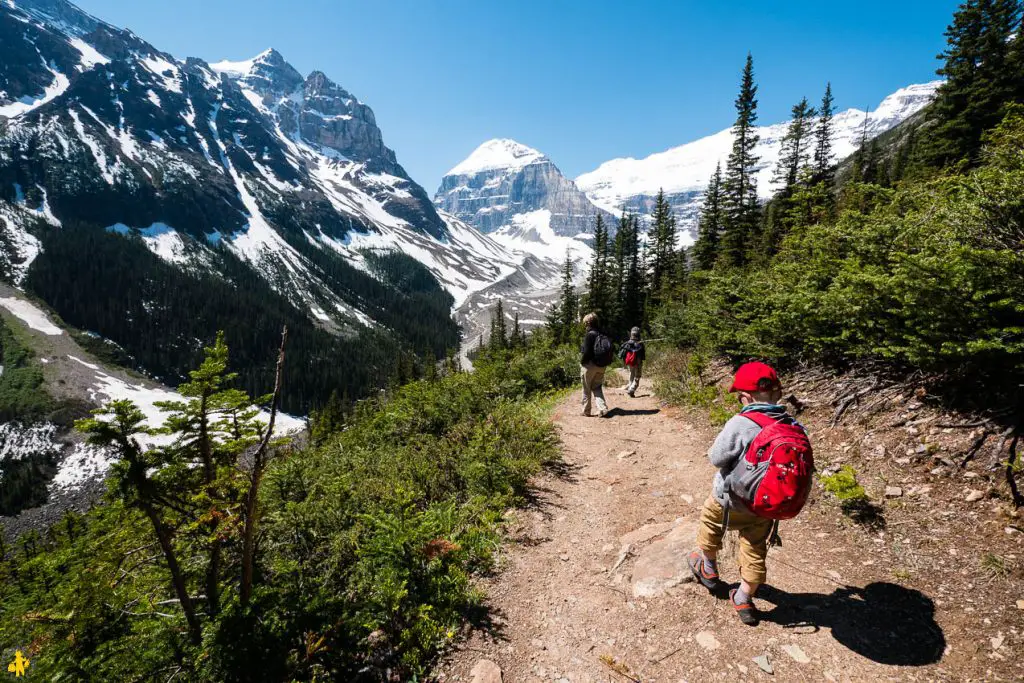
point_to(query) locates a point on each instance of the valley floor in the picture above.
(595, 587)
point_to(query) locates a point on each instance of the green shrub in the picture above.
(368, 544)
(844, 486)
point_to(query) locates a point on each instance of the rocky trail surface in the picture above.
(594, 586)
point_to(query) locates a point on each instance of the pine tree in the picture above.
(518, 338)
(563, 315)
(663, 247)
(599, 281)
(795, 147)
(979, 67)
(740, 206)
(823, 170)
(709, 227)
(499, 329)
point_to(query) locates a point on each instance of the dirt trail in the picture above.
(596, 574)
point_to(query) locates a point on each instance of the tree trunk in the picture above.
(195, 634)
(255, 477)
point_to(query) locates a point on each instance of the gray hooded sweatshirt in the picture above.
(731, 445)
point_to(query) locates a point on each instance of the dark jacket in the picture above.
(636, 347)
(587, 349)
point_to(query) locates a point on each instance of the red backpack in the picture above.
(630, 358)
(774, 476)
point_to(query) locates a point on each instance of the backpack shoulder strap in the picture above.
(760, 419)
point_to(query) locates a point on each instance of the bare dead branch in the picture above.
(259, 464)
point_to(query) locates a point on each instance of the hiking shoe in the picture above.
(631, 394)
(603, 413)
(707, 579)
(745, 610)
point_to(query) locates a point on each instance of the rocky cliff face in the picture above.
(503, 179)
(104, 130)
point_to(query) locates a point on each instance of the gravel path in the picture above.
(594, 586)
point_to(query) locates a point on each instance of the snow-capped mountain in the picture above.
(518, 196)
(683, 172)
(284, 172)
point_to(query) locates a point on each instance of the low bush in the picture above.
(367, 544)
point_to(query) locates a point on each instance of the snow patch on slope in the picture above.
(31, 315)
(531, 233)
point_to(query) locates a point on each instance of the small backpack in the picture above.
(774, 476)
(630, 358)
(604, 350)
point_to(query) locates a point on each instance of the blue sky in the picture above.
(583, 82)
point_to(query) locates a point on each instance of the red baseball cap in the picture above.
(750, 375)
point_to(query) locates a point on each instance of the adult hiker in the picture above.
(764, 463)
(596, 354)
(633, 354)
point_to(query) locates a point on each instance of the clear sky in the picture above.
(582, 81)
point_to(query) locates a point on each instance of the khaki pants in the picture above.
(754, 532)
(592, 377)
(634, 378)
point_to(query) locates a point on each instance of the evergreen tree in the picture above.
(740, 206)
(499, 329)
(979, 67)
(663, 247)
(823, 170)
(795, 147)
(709, 226)
(563, 315)
(517, 339)
(599, 282)
(633, 291)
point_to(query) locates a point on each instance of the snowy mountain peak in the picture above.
(245, 67)
(683, 171)
(499, 153)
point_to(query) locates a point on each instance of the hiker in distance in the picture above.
(764, 462)
(633, 354)
(596, 354)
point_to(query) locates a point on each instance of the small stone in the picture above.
(537, 644)
(797, 653)
(1009, 531)
(893, 491)
(485, 671)
(921, 490)
(835, 575)
(879, 451)
(743, 669)
(607, 548)
(765, 664)
(707, 640)
(913, 431)
(625, 454)
(971, 475)
(564, 558)
(997, 642)
(1020, 604)
(974, 495)
(688, 499)
(921, 449)
(902, 461)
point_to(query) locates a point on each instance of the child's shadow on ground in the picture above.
(885, 622)
(622, 411)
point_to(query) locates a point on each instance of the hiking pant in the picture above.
(634, 378)
(592, 377)
(754, 532)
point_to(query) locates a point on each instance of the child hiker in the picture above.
(764, 463)
(632, 354)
